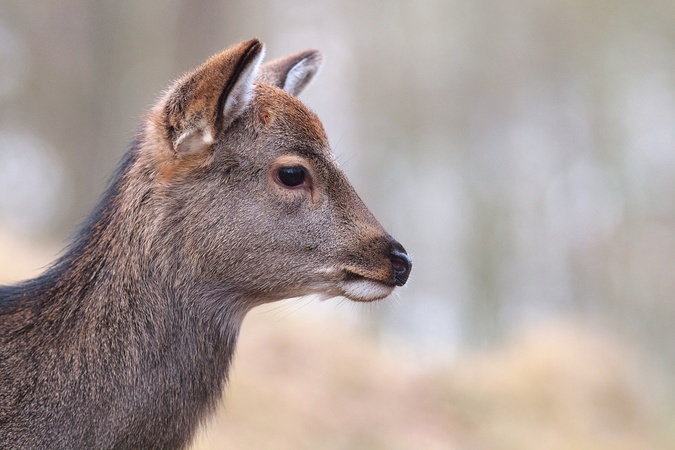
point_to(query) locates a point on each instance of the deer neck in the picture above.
(166, 343)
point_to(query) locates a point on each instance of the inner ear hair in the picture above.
(292, 73)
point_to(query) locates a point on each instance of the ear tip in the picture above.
(254, 46)
(313, 55)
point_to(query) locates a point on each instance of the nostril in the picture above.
(401, 265)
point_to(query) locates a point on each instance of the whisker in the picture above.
(303, 303)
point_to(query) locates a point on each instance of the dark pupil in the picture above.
(292, 176)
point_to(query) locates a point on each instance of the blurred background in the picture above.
(522, 151)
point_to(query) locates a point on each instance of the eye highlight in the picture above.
(292, 176)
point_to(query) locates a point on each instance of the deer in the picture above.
(228, 198)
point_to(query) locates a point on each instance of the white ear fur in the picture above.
(194, 141)
(302, 73)
(241, 94)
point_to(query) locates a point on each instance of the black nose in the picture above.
(400, 263)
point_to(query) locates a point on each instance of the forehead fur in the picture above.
(286, 117)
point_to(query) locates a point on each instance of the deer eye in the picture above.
(292, 176)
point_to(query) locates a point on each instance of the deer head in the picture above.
(248, 183)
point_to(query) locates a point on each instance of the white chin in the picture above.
(365, 290)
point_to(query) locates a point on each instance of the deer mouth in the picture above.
(361, 288)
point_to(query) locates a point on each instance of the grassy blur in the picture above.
(301, 384)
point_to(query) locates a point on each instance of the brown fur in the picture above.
(126, 341)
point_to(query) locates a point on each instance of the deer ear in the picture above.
(292, 73)
(204, 103)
